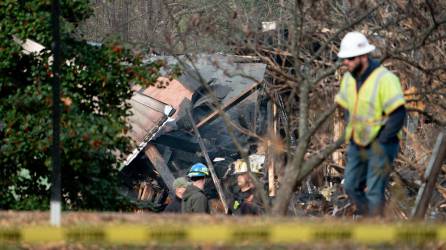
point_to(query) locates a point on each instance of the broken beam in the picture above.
(430, 177)
(210, 165)
(234, 101)
(271, 155)
(160, 165)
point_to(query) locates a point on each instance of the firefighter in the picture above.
(194, 198)
(246, 200)
(373, 101)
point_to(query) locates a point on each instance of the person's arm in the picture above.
(392, 100)
(341, 98)
(345, 113)
(393, 125)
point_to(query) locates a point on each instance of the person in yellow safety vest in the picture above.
(373, 101)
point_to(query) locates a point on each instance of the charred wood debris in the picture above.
(166, 145)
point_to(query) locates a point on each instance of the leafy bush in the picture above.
(95, 82)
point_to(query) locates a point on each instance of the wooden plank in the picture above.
(160, 165)
(271, 154)
(430, 177)
(209, 164)
(338, 130)
(234, 101)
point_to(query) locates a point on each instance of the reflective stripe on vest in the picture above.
(369, 119)
(364, 106)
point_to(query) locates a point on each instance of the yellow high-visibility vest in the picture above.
(369, 107)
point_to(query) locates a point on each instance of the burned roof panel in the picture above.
(172, 92)
(145, 116)
(151, 108)
(228, 79)
(224, 72)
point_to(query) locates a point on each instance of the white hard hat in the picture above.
(354, 44)
(255, 163)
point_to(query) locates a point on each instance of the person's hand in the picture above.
(250, 199)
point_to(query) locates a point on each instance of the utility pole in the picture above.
(55, 203)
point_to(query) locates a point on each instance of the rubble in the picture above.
(166, 145)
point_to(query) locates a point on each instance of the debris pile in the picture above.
(166, 146)
(224, 92)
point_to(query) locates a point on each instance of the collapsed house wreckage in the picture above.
(167, 145)
(163, 132)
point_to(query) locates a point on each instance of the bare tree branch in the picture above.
(324, 74)
(431, 12)
(317, 159)
(428, 115)
(422, 39)
(343, 29)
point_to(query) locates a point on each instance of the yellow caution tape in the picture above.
(285, 233)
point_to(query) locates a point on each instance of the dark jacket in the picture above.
(174, 206)
(240, 205)
(194, 201)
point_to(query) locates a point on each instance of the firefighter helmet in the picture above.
(198, 170)
(255, 163)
